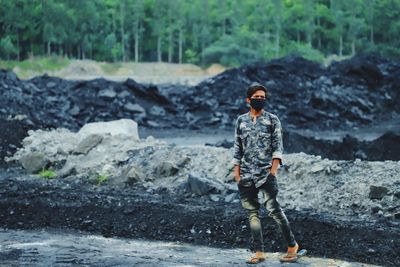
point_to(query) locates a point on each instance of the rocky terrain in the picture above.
(145, 161)
(355, 98)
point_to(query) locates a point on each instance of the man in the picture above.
(257, 154)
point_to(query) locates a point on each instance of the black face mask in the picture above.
(257, 103)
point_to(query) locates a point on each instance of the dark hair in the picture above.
(254, 87)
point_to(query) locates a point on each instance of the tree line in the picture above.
(231, 32)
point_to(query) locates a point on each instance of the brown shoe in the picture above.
(291, 255)
(257, 258)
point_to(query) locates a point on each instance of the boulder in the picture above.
(135, 108)
(201, 185)
(166, 168)
(34, 162)
(124, 126)
(87, 144)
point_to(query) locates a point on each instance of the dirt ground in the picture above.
(27, 203)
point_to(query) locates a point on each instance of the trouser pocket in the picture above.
(271, 185)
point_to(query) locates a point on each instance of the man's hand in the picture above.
(237, 173)
(274, 167)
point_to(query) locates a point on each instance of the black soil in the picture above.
(35, 203)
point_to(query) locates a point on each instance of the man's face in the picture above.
(258, 94)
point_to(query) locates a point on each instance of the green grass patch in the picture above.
(36, 64)
(47, 174)
(101, 179)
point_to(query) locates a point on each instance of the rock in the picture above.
(157, 111)
(200, 185)
(132, 175)
(166, 168)
(317, 168)
(214, 197)
(229, 198)
(87, 144)
(34, 162)
(107, 93)
(67, 170)
(377, 192)
(397, 194)
(135, 108)
(124, 126)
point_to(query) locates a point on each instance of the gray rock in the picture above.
(132, 175)
(107, 93)
(214, 197)
(153, 124)
(200, 185)
(166, 168)
(124, 126)
(229, 198)
(51, 84)
(136, 108)
(34, 162)
(67, 170)
(377, 192)
(397, 194)
(157, 111)
(88, 144)
(74, 111)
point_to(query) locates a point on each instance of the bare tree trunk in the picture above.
(159, 54)
(341, 45)
(137, 46)
(18, 50)
(83, 52)
(277, 42)
(122, 33)
(180, 45)
(319, 33)
(48, 48)
(372, 34)
(353, 47)
(170, 47)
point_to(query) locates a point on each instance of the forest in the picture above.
(230, 32)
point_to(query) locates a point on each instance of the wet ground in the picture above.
(52, 247)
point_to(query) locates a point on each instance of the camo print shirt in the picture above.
(256, 144)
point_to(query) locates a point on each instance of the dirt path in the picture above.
(57, 248)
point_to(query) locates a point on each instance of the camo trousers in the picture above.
(249, 200)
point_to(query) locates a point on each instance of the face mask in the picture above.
(257, 103)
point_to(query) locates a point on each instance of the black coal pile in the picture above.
(358, 92)
(53, 102)
(354, 92)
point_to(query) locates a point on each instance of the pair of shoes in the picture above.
(257, 258)
(291, 255)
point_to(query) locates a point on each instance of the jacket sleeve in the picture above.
(237, 146)
(277, 143)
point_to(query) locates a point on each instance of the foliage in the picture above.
(101, 179)
(47, 174)
(231, 32)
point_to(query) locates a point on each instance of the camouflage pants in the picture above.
(249, 200)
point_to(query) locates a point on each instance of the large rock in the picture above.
(34, 162)
(166, 168)
(124, 126)
(88, 143)
(201, 185)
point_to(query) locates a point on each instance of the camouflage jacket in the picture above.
(256, 145)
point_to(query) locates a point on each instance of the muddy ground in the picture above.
(27, 203)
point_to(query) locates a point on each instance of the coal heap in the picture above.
(304, 94)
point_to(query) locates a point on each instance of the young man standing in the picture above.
(258, 152)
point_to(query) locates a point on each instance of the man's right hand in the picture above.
(237, 173)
